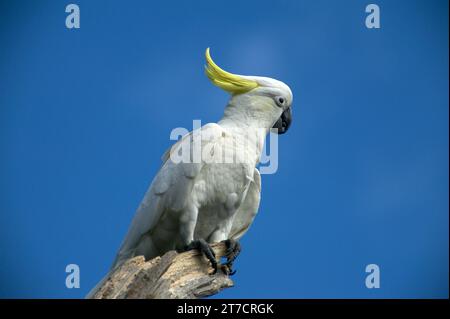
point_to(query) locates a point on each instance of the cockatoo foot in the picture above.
(233, 250)
(206, 250)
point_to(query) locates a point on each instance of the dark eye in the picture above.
(280, 100)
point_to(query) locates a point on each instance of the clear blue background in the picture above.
(363, 175)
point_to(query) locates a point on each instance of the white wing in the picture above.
(248, 209)
(169, 192)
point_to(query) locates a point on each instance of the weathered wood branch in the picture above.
(173, 276)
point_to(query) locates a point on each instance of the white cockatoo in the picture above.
(211, 192)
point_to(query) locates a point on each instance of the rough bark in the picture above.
(174, 276)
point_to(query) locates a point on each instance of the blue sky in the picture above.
(363, 172)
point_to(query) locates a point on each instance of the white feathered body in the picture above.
(214, 199)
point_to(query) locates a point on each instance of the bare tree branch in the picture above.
(174, 276)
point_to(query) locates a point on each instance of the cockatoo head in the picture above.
(256, 100)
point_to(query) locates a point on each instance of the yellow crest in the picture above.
(232, 83)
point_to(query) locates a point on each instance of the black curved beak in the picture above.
(283, 123)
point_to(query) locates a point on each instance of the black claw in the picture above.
(233, 250)
(206, 250)
(226, 269)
